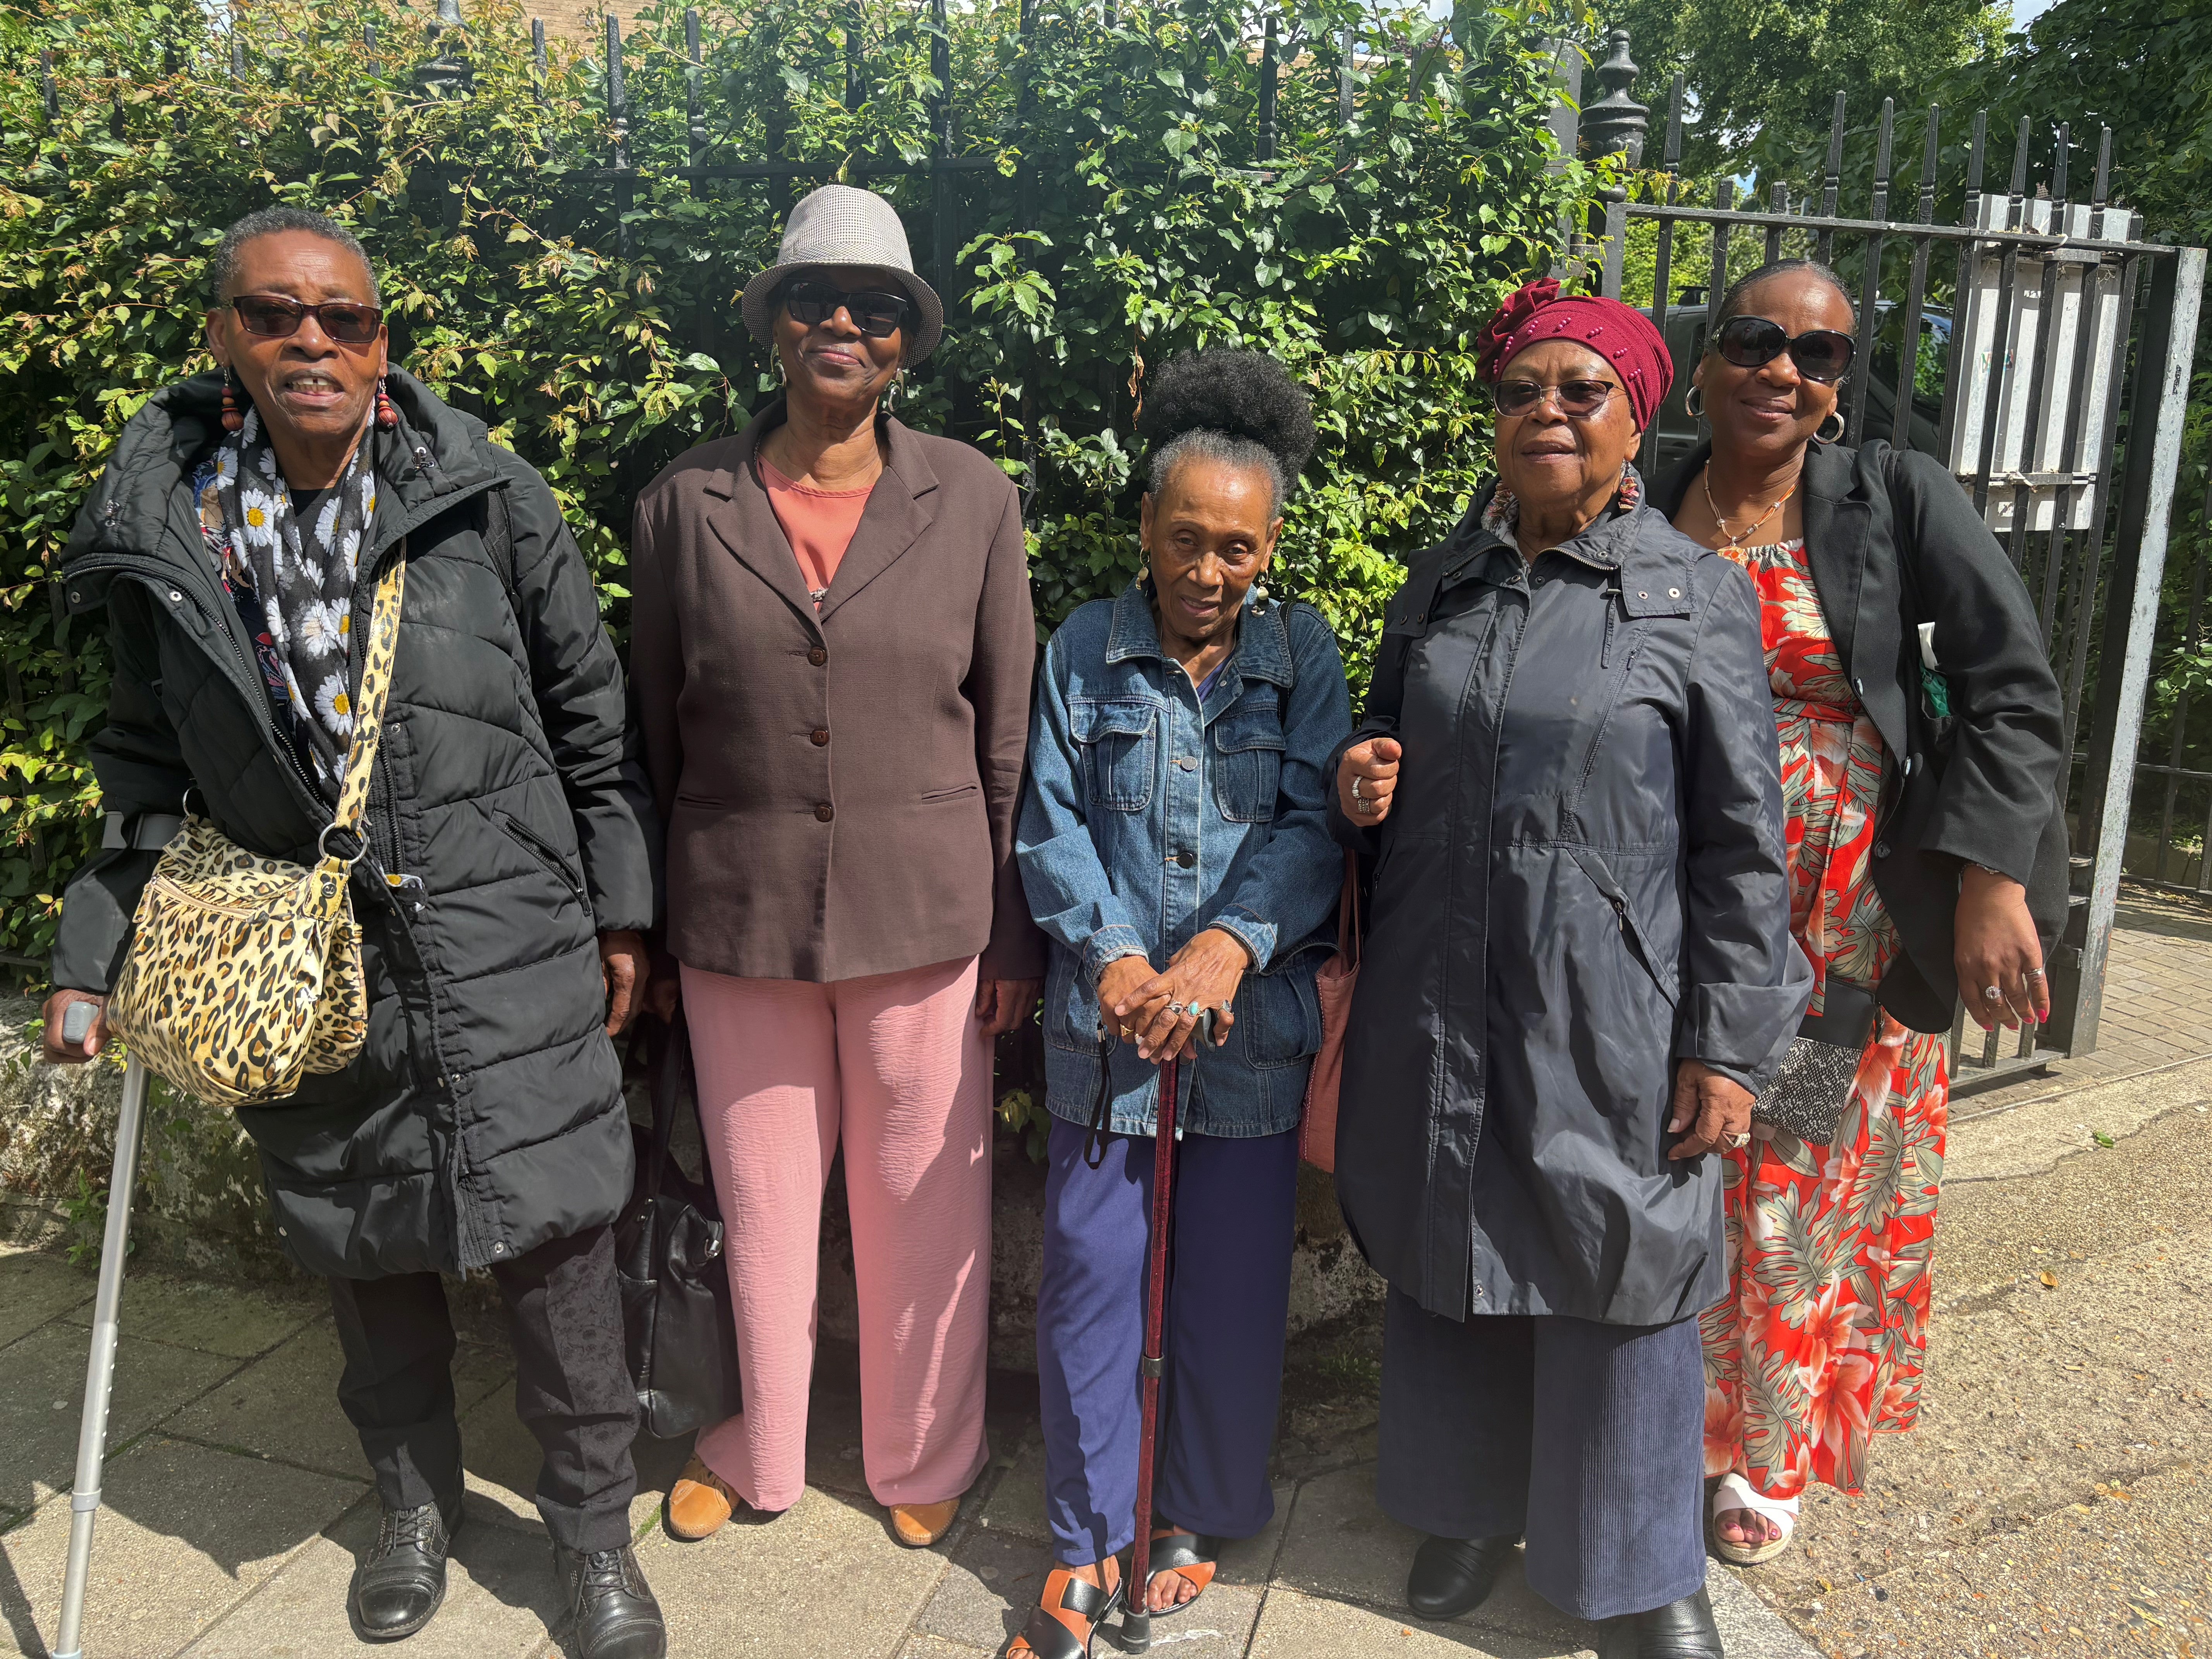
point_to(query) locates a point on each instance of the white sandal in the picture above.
(1735, 1492)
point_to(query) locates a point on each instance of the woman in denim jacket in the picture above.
(1175, 849)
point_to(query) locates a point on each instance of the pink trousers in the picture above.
(897, 1068)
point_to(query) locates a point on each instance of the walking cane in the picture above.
(1136, 1610)
(99, 1370)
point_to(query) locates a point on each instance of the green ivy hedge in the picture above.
(1118, 211)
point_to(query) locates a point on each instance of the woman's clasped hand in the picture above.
(1160, 1013)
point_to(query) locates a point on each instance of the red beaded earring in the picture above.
(387, 417)
(232, 419)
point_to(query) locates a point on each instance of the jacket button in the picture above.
(1185, 859)
(1674, 592)
(824, 812)
(1186, 763)
(1881, 849)
(819, 736)
(817, 656)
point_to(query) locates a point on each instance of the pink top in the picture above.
(818, 523)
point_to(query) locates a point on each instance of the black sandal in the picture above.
(1045, 1637)
(1193, 1555)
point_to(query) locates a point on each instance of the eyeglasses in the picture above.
(1820, 353)
(876, 315)
(276, 318)
(1577, 400)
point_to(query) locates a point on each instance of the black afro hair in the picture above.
(1239, 394)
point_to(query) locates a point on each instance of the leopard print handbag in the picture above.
(244, 972)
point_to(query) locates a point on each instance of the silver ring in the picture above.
(1175, 1007)
(1990, 994)
(1743, 1139)
(1356, 795)
(1364, 806)
(2033, 973)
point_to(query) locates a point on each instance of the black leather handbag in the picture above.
(678, 1328)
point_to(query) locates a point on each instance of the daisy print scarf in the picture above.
(301, 572)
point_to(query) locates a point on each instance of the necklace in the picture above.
(1736, 541)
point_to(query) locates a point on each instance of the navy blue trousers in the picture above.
(1587, 1440)
(1228, 1301)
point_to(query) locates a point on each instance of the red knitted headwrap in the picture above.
(1620, 334)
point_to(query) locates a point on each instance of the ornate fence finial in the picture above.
(448, 74)
(1615, 124)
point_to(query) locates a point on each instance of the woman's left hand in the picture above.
(1714, 1111)
(1003, 1004)
(1162, 1013)
(1994, 943)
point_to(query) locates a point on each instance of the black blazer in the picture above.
(1893, 541)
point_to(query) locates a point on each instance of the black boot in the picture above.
(613, 1607)
(1680, 1630)
(402, 1580)
(1452, 1576)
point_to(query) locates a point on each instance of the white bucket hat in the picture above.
(838, 225)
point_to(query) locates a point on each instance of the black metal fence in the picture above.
(2066, 351)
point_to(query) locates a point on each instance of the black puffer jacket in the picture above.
(485, 1115)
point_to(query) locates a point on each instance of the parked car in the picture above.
(1680, 432)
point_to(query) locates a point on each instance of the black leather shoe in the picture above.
(1452, 1576)
(610, 1607)
(1680, 1630)
(402, 1580)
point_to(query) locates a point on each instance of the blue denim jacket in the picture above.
(1149, 817)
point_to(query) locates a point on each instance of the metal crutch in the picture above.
(100, 1370)
(1136, 1613)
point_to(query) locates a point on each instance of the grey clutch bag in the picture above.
(1809, 1094)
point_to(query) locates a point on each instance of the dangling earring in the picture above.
(387, 417)
(1694, 401)
(232, 419)
(891, 392)
(1831, 430)
(776, 364)
(1631, 489)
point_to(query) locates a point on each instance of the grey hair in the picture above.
(223, 266)
(1204, 443)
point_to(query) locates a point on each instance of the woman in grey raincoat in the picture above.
(1578, 973)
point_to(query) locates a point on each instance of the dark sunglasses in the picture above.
(1576, 399)
(876, 315)
(276, 318)
(1820, 353)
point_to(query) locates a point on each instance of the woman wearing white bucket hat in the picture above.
(832, 646)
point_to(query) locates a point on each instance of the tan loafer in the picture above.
(699, 1504)
(920, 1525)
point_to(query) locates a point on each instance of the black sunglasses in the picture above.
(875, 313)
(1820, 353)
(1576, 399)
(276, 318)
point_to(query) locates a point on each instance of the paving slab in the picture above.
(501, 1601)
(1293, 1625)
(44, 1393)
(285, 1405)
(187, 1532)
(35, 1287)
(823, 1578)
(239, 1322)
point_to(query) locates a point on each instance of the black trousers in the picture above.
(1586, 1439)
(572, 1385)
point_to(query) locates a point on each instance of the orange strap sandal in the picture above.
(1067, 1616)
(1191, 1555)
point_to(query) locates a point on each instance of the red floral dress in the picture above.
(1821, 1342)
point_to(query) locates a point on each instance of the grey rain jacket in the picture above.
(485, 1115)
(1582, 881)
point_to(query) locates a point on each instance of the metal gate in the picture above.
(2066, 355)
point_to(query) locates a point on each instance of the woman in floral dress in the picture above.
(1926, 854)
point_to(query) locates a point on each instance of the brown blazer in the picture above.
(839, 791)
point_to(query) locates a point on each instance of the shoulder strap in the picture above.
(382, 645)
(499, 536)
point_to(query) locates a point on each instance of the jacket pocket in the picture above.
(1248, 769)
(1279, 1014)
(1071, 1013)
(959, 792)
(543, 850)
(1633, 934)
(1119, 744)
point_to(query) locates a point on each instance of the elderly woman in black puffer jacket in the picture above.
(507, 876)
